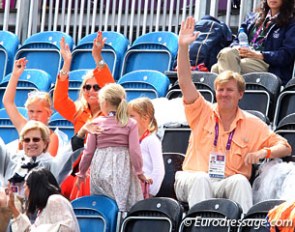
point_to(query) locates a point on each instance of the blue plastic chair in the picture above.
(96, 213)
(9, 44)
(155, 51)
(42, 51)
(8, 132)
(30, 80)
(145, 83)
(113, 52)
(58, 121)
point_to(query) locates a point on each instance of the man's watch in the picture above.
(101, 64)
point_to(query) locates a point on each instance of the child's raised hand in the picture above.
(19, 66)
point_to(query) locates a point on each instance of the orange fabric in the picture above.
(283, 216)
(250, 135)
(66, 106)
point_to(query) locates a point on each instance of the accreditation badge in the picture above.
(216, 166)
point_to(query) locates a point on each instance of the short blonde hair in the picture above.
(115, 95)
(39, 96)
(36, 125)
(144, 107)
(226, 76)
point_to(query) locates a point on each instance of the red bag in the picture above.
(145, 190)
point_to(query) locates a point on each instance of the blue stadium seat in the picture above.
(8, 132)
(31, 79)
(144, 83)
(96, 213)
(154, 50)
(57, 121)
(113, 52)
(9, 44)
(42, 50)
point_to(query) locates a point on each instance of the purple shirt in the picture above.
(113, 135)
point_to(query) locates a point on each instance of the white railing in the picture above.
(130, 17)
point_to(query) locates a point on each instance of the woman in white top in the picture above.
(142, 110)
(54, 212)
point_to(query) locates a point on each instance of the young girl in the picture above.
(142, 110)
(114, 152)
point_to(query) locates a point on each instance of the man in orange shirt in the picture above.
(225, 140)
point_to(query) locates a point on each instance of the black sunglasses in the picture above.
(34, 139)
(88, 87)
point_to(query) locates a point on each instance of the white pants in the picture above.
(193, 187)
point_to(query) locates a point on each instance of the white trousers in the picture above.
(193, 187)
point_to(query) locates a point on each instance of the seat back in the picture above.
(286, 129)
(255, 219)
(113, 52)
(96, 213)
(173, 163)
(212, 215)
(159, 214)
(44, 47)
(30, 80)
(57, 121)
(8, 132)
(264, 87)
(154, 50)
(285, 105)
(175, 139)
(259, 115)
(144, 83)
(9, 44)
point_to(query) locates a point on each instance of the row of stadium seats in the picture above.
(154, 50)
(100, 213)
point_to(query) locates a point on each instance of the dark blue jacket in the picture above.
(279, 47)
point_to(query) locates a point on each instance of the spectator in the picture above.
(54, 212)
(38, 105)
(114, 152)
(271, 33)
(86, 107)
(235, 138)
(142, 110)
(34, 137)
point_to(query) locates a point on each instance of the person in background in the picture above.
(86, 107)
(38, 105)
(142, 110)
(114, 152)
(54, 212)
(222, 132)
(271, 35)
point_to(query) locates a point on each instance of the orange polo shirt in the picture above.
(66, 106)
(251, 134)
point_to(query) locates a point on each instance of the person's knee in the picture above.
(239, 181)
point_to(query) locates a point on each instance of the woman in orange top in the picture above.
(86, 107)
(38, 105)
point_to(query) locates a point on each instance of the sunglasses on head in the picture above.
(34, 139)
(88, 87)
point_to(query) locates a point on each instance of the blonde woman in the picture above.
(38, 105)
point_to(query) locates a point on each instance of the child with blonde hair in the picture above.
(114, 151)
(142, 110)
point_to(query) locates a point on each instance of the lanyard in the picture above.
(230, 137)
(145, 134)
